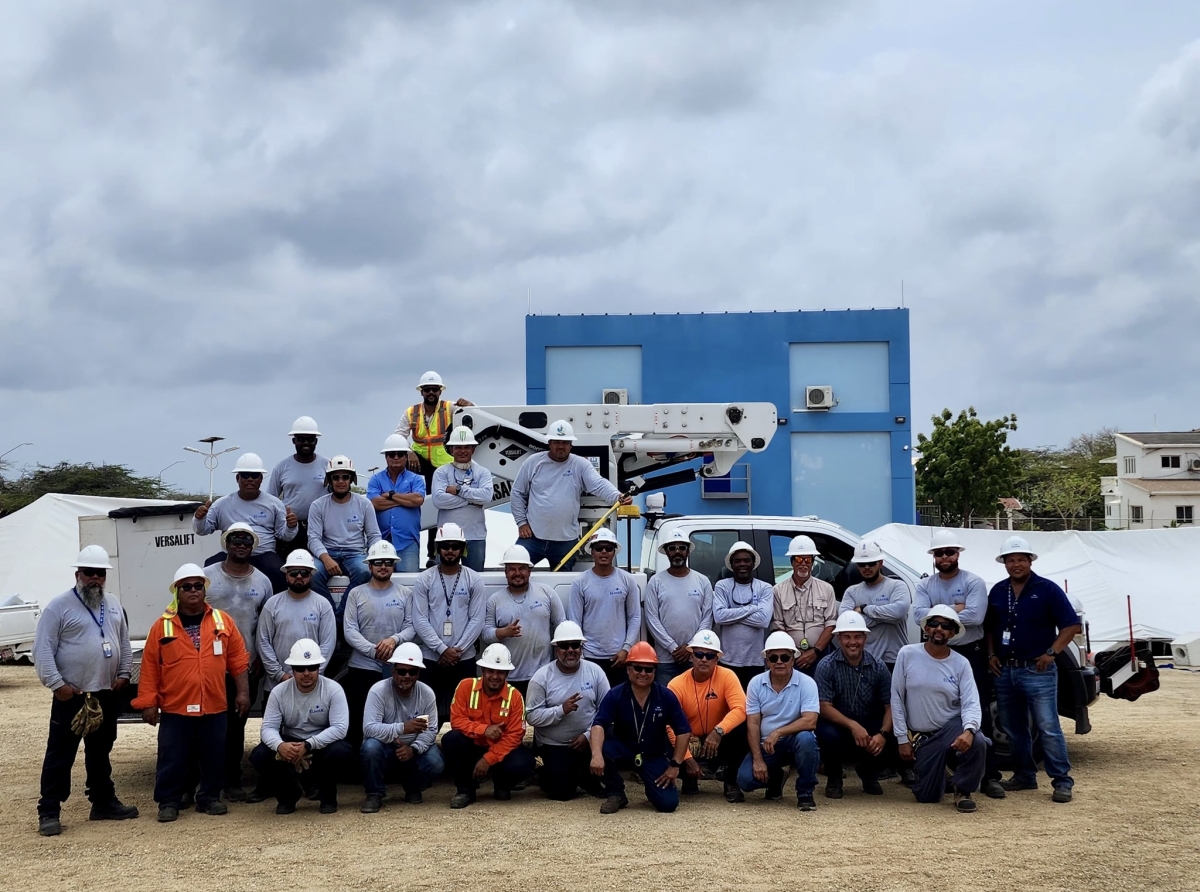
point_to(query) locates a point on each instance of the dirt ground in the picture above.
(1133, 825)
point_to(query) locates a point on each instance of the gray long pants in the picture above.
(934, 753)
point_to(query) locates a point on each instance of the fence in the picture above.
(931, 516)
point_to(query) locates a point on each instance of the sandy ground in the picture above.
(1133, 825)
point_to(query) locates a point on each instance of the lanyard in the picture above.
(99, 622)
(707, 696)
(645, 714)
(733, 594)
(1012, 607)
(449, 594)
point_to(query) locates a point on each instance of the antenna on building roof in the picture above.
(902, 294)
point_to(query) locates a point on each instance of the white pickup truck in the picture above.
(18, 623)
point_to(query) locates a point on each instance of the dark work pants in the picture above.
(976, 654)
(235, 727)
(443, 680)
(357, 684)
(730, 753)
(618, 757)
(186, 742)
(746, 673)
(461, 754)
(565, 770)
(62, 745)
(426, 471)
(934, 754)
(327, 764)
(838, 749)
(300, 540)
(269, 562)
(615, 674)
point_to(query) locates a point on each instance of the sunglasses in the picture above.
(92, 571)
(190, 587)
(450, 546)
(405, 672)
(431, 389)
(339, 477)
(304, 439)
(238, 540)
(945, 552)
(299, 574)
(677, 549)
(246, 476)
(604, 547)
(296, 669)
(704, 655)
(395, 454)
(868, 563)
(384, 562)
(942, 624)
(569, 645)
(779, 658)
(644, 670)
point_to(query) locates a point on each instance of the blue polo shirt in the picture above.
(642, 730)
(400, 525)
(779, 708)
(1034, 619)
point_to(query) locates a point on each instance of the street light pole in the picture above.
(14, 449)
(210, 458)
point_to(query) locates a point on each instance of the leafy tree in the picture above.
(966, 464)
(86, 479)
(1065, 482)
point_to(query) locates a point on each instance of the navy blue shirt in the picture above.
(1033, 620)
(621, 718)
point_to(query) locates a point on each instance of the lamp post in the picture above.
(210, 458)
(14, 449)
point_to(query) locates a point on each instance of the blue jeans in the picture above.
(417, 774)
(408, 558)
(668, 670)
(799, 749)
(476, 552)
(618, 757)
(1023, 693)
(550, 549)
(353, 564)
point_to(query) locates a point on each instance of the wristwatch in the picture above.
(308, 746)
(719, 731)
(672, 763)
(1050, 652)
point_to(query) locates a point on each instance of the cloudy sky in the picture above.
(218, 216)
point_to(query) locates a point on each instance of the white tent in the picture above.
(1099, 569)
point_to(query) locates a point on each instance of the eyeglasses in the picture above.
(945, 552)
(704, 655)
(604, 547)
(299, 439)
(779, 658)
(248, 476)
(299, 574)
(239, 540)
(643, 670)
(296, 669)
(404, 671)
(569, 645)
(384, 562)
(942, 624)
(93, 571)
(395, 454)
(190, 587)
(339, 477)
(676, 549)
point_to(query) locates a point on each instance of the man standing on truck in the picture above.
(606, 602)
(342, 528)
(81, 652)
(742, 612)
(678, 605)
(1030, 622)
(398, 494)
(523, 617)
(545, 497)
(805, 607)
(460, 490)
(299, 479)
(883, 602)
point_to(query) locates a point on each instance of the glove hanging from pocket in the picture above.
(90, 716)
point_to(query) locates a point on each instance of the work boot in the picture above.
(188, 799)
(328, 808)
(872, 787)
(371, 804)
(1012, 785)
(49, 825)
(113, 811)
(834, 790)
(774, 791)
(908, 777)
(235, 794)
(805, 802)
(733, 793)
(501, 795)
(413, 797)
(1062, 794)
(168, 814)
(258, 794)
(462, 800)
(993, 790)
(613, 804)
(964, 803)
(285, 808)
(216, 807)
(691, 786)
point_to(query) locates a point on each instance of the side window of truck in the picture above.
(709, 548)
(830, 566)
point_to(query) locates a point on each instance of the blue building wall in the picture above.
(850, 464)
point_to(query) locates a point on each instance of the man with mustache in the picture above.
(678, 604)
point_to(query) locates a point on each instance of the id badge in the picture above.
(107, 648)
(447, 629)
(1006, 637)
(218, 648)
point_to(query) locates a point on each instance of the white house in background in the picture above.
(1157, 483)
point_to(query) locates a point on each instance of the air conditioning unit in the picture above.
(818, 396)
(1193, 464)
(614, 396)
(1185, 650)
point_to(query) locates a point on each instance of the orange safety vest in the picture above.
(194, 680)
(430, 442)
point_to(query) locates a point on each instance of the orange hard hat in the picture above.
(642, 652)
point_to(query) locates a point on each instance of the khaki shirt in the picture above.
(804, 611)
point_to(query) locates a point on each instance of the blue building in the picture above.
(850, 463)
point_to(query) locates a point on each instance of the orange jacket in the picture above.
(179, 679)
(719, 702)
(472, 710)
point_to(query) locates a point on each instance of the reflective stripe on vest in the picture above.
(168, 623)
(477, 686)
(429, 443)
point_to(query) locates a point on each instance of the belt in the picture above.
(1019, 664)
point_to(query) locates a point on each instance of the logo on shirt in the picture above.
(251, 593)
(309, 618)
(317, 710)
(695, 593)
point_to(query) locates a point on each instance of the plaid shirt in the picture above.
(859, 692)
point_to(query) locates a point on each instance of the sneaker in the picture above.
(49, 825)
(285, 808)
(167, 814)
(371, 804)
(462, 800)
(908, 777)
(834, 791)
(1012, 785)
(413, 797)
(113, 811)
(690, 787)
(501, 795)
(993, 790)
(872, 787)
(216, 807)
(328, 808)
(964, 803)
(774, 792)
(806, 802)
(235, 794)
(733, 793)
(1062, 794)
(258, 794)
(613, 804)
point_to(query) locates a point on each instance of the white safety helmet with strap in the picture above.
(395, 443)
(802, 545)
(604, 534)
(239, 526)
(741, 546)
(450, 532)
(944, 611)
(561, 430)
(496, 656)
(517, 554)
(407, 654)
(1015, 545)
(431, 379)
(188, 571)
(304, 425)
(305, 652)
(300, 558)
(945, 539)
(706, 639)
(677, 537)
(567, 630)
(383, 550)
(94, 557)
(779, 641)
(341, 463)
(461, 436)
(850, 621)
(249, 463)
(867, 553)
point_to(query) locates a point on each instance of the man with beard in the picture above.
(742, 612)
(400, 723)
(296, 613)
(299, 480)
(935, 712)
(460, 490)
(677, 604)
(449, 603)
(397, 495)
(606, 602)
(882, 601)
(805, 607)
(341, 528)
(522, 616)
(563, 698)
(81, 652)
(271, 520)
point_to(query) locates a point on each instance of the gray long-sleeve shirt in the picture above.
(342, 526)
(741, 613)
(885, 608)
(298, 484)
(539, 610)
(320, 717)
(550, 688)
(266, 515)
(963, 588)
(676, 608)
(927, 692)
(466, 508)
(373, 614)
(68, 646)
(386, 712)
(242, 597)
(546, 495)
(438, 599)
(284, 621)
(609, 609)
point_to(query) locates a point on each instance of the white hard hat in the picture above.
(249, 463)
(305, 652)
(944, 611)
(779, 641)
(341, 463)
(460, 436)
(801, 545)
(94, 557)
(517, 554)
(395, 443)
(604, 534)
(850, 621)
(945, 539)
(1015, 545)
(299, 558)
(408, 654)
(677, 537)
(450, 532)
(240, 526)
(383, 550)
(305, 424)
(430, 379)
(567, 630)
(561, 430)
(741, 546)
(188, 571)
(705, 639)
(867, 553)
(496, 656)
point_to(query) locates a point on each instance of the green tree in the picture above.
(86, 479)
(966, 464)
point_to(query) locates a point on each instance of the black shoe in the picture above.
(371, 804)
(312, 794)
(774, 792)
(235, 794)
(413, 797)
(1062, 794)
(49, 825)
(872, 787)
(188, 799)
(964, 803)
(1012, 785)
(501, 795)
(690, 787)
(733, 793)
(328, 808)
(285, 808)
(908, 777)
(806, 803)
(167, 814)
(833, 791)
(113, 811)
(258, 794)
(216, 807)
(462, 800)
(613, 804)
(993, 790)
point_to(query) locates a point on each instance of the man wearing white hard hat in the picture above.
(81, 652)
(460, 490)
(189, 651)
(304, 732)
(400, 722)
(606, 602)
(856, 709)
(270, 519)
(742, 607)
(967, 594)
(936, 713)
(563, 698)
(677, 604)
(398, 494)
(546, 493)
(1030, 622)
(341, 530)
(299, 479)
(882, 601)
(295, 613)
(522, 615)
(805, 607)
(487, 726)
(715, 705)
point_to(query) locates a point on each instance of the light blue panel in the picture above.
(579, 374)
(843, 477)
(858, 373)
